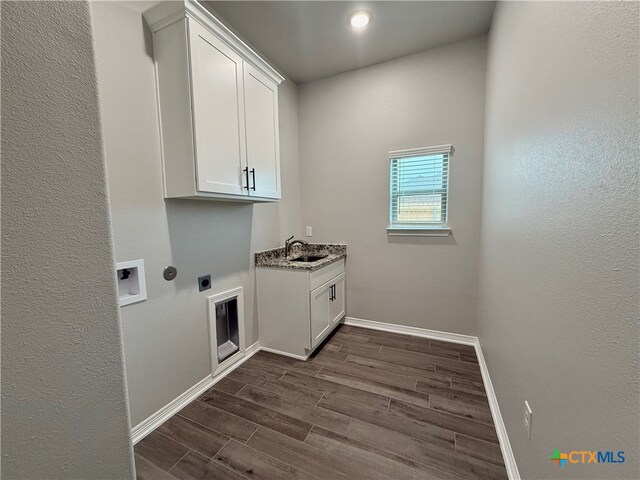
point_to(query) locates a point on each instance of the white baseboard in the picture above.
(286, 354)
(148, 425)
(501, 431)
(415, 331)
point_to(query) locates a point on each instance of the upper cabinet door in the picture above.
(217, 106)
(262, 133)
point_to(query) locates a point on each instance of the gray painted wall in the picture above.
(64, 409)
(166, 337)
(558, 317)
(348, 124)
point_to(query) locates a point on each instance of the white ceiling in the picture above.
(312, 39)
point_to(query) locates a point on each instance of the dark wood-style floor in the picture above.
(368, 405)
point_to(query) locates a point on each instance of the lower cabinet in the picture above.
(297, 309)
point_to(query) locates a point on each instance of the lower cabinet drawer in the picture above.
(323, 275)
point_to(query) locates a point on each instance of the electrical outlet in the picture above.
(528, 414)
(309, 231)
(204, 282)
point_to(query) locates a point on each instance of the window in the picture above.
(419, 188)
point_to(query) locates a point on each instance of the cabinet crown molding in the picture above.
(166, 13)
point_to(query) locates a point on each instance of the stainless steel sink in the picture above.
(308, 258)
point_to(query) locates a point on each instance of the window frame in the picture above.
(416, 228)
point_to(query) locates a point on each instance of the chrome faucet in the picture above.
(288, 243)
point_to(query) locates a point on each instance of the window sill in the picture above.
(443, 231)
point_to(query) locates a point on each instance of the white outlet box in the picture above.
(308, 231)
(528, 414)
(132, 287)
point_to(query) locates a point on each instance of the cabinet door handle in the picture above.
(253, 174)
(333, 292)
(246, 174)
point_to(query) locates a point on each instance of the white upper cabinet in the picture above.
(218, 104)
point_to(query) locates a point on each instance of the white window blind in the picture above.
(419, 187)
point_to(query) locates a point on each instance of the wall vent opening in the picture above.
(226, 328)
(227, 333)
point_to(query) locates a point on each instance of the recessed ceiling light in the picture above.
(359, 19)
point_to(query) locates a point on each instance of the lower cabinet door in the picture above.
(320, 319)
(336, 303)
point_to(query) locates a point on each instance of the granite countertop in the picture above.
(275, 258)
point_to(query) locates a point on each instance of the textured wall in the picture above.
(348, 124)
(559, 270)
(166, 337)
(64, 410)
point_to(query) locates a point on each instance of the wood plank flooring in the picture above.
(367, 405)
